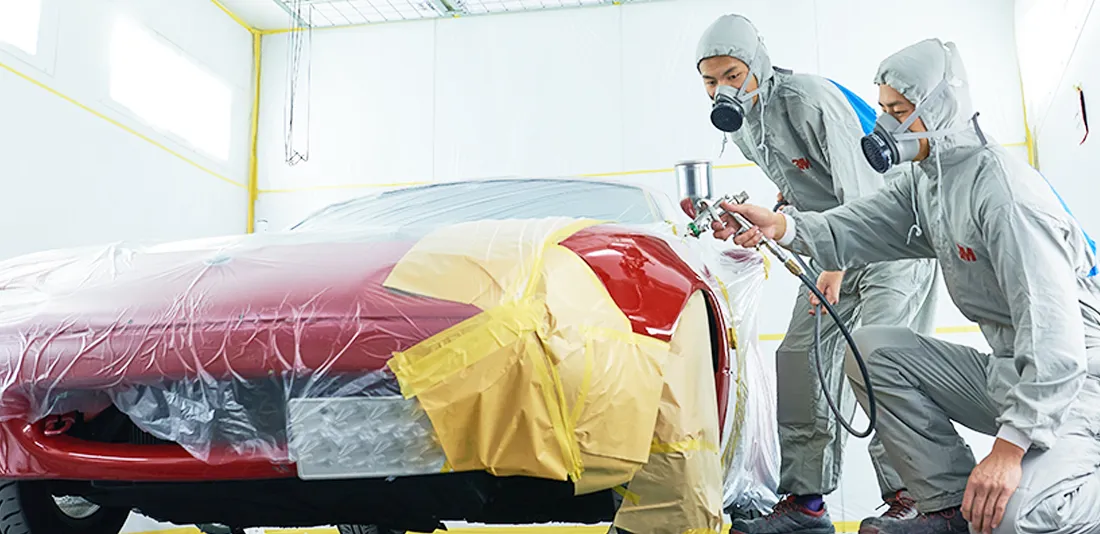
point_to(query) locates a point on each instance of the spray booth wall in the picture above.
(72, 174)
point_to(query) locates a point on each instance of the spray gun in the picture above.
(708, 211)
(695, 185)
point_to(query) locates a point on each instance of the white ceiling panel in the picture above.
(261, 14)
(277, 14)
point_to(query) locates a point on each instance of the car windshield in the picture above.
(452, 203)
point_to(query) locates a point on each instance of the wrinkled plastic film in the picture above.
(391, 335)
(680, 487)
(750, 435)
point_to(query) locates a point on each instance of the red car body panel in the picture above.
(306, 306)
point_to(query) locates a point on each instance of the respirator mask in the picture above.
(728, 113)
(730, 103)
(891, 143)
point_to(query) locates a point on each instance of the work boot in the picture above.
(788, 517)
(949, 521)
(902, 506)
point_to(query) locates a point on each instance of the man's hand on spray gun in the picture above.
(750, 226)
(765, 226)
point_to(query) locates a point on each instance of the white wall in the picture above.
(71, 177)
(597, 90)
(1047, 33)
(1063, 159)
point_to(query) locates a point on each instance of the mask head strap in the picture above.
(921, 106)
(741, 95)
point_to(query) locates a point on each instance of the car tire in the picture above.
(30, 508)
(366, 529)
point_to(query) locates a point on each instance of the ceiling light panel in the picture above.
(322, 13)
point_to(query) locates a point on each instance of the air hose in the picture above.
(708, 211)
(871, 408)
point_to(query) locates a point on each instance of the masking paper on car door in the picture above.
(680, 488)
(549, 377)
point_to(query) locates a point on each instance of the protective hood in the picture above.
(735, 36)
(916, 70)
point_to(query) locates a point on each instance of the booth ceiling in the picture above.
(278, 14)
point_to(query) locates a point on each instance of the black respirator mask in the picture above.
(728, 114)
(728, 111)
(890, 144)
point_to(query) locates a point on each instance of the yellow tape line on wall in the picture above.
(943, 330)
(841, 526)
(124, 127)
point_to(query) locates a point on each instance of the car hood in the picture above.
(259, 277)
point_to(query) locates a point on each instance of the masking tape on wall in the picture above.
(119, 124)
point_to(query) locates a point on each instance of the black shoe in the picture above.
(902, 506)
(949, 521)
(788, 517)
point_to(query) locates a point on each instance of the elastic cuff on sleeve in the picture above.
(1010, 434)
(788, 236)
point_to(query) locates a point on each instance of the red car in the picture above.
(265, 380)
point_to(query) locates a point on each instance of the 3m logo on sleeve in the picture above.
(967, 254)
(801, 163)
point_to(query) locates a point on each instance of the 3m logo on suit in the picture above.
(967, 254)
(801, 163)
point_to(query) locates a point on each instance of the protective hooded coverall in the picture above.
(1017, 263)
(804, 134)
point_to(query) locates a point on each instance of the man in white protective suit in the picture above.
(803, 131)
(1017, 263)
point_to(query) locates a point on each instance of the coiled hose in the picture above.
(871, 408)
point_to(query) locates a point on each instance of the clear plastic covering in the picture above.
(514, 326)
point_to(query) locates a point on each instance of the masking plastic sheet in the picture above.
(515, 326)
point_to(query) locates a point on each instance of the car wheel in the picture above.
(30, 508)
(366, 529)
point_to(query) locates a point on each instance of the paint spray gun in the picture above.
(707, 211)
(695, 185)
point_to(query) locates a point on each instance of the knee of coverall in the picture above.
(1052, 512)
(871, 341)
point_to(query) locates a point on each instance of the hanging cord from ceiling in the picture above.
(299, 69)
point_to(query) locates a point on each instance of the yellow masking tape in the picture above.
(236, 18)
(254, 130)
(563, 426)
(680, 487)
(841, 526)
(544, 309)
(942, 330)
(691, 444)
(437, 358)
(124, 127)
(628, 495)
